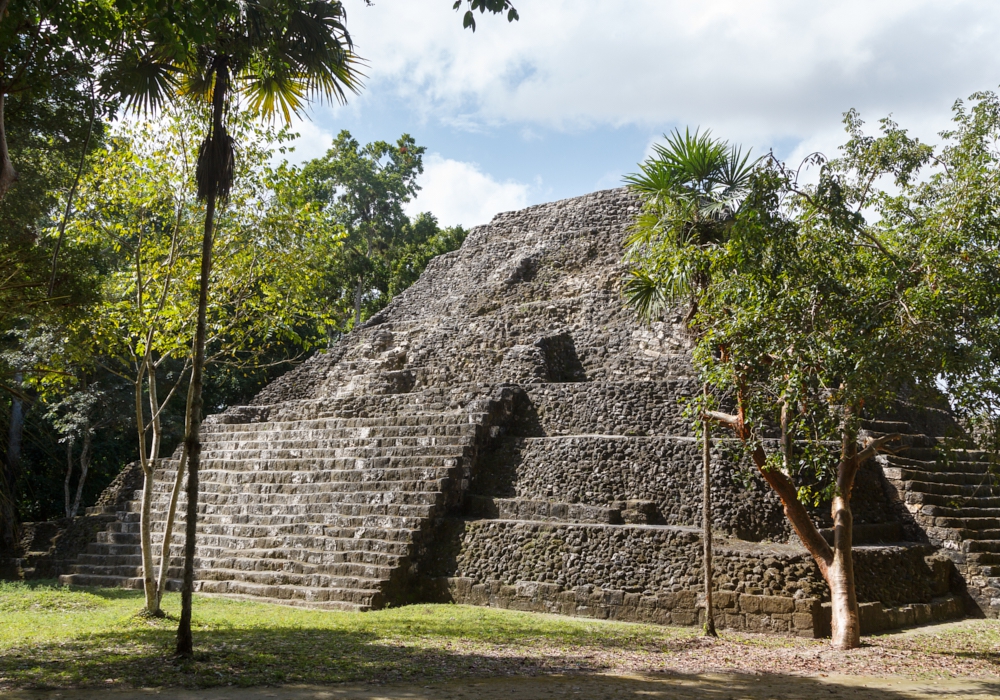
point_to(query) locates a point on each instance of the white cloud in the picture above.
(758, 71)
(460, 193)
(313, 142)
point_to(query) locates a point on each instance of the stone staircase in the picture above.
(329, 511)
(953, 495)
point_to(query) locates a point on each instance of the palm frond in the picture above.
(143, 79)
(653, 296)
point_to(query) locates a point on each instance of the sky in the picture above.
(571, 97)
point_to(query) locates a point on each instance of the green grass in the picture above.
(57, 637)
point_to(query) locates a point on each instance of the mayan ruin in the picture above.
(506, 434)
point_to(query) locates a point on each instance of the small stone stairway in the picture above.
(329, 511)
(953, 494)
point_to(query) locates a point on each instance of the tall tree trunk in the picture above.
(845, 621)
(145, 509)
(69, 476)
(84, 467)
(8, 176)
(192, 439)
(706, 521)
(149, 481)
(168, 529)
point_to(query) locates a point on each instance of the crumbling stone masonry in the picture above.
(506, 434)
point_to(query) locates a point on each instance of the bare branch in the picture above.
(874, 446)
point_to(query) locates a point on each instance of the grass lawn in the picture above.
(57, 637)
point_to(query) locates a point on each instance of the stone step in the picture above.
(330, 598)
(323, 441)
(312, 511)
(903, 461)
(456, 431)
(304, 475)
(941, 488)
(969, 524)
(934, 510)
(100, 581)
(984, 558)
(943, 455)
(885, 427)
(333, 574)
(456, 419)
(419, 481)
(334, 599)
(224, 544)
(284, 578)
(981, 546)
(336, 498)
(963, 534)
(363, 550)
(272, 452)
(936, 476)
(253, 536)
(954, 502)
(106, 537)
(324, 463)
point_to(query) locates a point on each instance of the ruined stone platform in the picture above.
(504, 433)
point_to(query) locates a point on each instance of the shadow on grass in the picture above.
(591, 686)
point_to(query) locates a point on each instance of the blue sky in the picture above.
(570, 98)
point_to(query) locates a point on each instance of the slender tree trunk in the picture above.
(192, 440)
(84, 467)
(168, 530)
(69, 476)
(149, 481)
(357, 302)
(8, 176)
(145, 509)
(148, 582)
(706, 521)
(222, 151)
(72, 192)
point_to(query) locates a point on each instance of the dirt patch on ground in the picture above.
(583, 686)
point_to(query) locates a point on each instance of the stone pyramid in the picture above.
(504, 433)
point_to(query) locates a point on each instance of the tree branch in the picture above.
(873, 446)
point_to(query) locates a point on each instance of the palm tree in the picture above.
(265, 56)
(691, 190)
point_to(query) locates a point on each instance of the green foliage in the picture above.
(691, 189)
(364, 188)
(875, 284)
(278, 53)
(494, 6)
